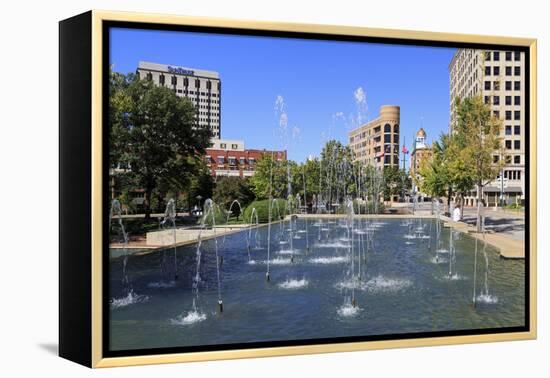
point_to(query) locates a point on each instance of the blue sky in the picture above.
(317, 80)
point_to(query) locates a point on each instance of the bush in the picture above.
(262, 209)
(220, 217)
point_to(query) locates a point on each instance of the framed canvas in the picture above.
(234, 189)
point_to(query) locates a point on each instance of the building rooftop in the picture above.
(178, 70)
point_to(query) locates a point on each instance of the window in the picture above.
(223, 145)
(508, 56)
(488, 71)
(161, 79)
(387, 138)
(517, 159)
(507, 160)
(234, 146)
(395, 138)
(508, 71)
(221, 160)
(387, 128)
(496, 100)
(496, 158)
(496, 56)
(508, 100)
(517, 71)
(242, 160)
(487, 99)
(149, 76)
(517, 115)
(174, 80)
(517, 100)
(508, 115)
(487, 85)
(387, 159)
(516, 55)
(186, 82)
(508, 130)
(496, 114)
(487, 55)
(508, 85)
(197, 83)
(517, 130)
(517, 145)
(496, 71)
(496, 85)
(517, 85)
(396, 129)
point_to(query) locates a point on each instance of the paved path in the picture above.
(509, 223)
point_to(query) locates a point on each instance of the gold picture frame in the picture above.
(92, 24)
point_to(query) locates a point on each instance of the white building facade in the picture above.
(202, 87)
(499, 77)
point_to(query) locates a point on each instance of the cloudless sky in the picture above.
(317, 80)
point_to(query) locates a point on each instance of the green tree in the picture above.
(231, 188)
(477, 136)
(337, 168)
(270, 178)
(396, 181)
(309, 170)
(154, 134)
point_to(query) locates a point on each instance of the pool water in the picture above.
(405, 286)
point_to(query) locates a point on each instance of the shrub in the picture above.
(262, 209)
(220, 217)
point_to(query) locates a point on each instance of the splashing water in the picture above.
(329, 260)
(192, 317)
(294, 284)
(131, 298)
(487, 299)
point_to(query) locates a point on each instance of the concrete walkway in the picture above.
(508, 246)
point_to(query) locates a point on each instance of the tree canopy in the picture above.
(153, 134)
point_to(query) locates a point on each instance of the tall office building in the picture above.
(377, 143)
(499, 77)
(202, 87)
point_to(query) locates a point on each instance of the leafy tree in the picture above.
(231, 188)
(395, 182)
(477, 136)
(337, 168)
(270, 178)
(154, 134)
(309, 170)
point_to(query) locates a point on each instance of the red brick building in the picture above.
(230, 158)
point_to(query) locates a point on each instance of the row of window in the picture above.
(508, 159)
(508, 55)
(508, 71)
(508, 115)
(511, 175)
(174, 81)
(376, 130)
(508, 130)
(232, 161)
(507, 100)
(508, 144)
(197, 93)
(507, 85)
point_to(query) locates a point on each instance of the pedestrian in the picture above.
(456, 214)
